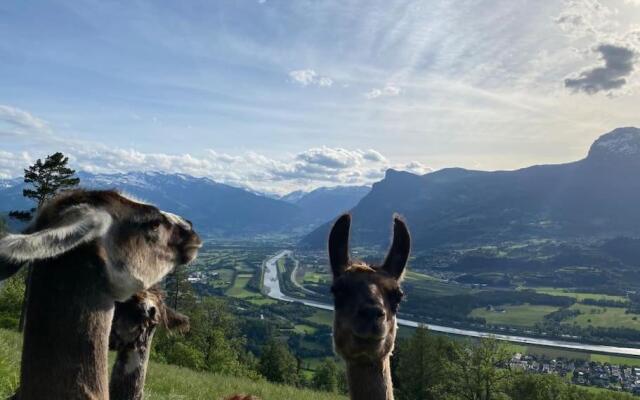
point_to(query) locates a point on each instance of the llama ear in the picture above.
(78, 225)
(339, 245)
(398, 255)
(176, 322)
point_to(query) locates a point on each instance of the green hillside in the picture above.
(167, 381)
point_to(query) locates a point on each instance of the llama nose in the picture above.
(372, 312)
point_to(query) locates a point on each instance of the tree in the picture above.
(326, 376)
(421, 365)
(477, 371)
(180, 293)
(277, 364)
(46, 179)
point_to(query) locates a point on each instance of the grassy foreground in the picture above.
(167, 382)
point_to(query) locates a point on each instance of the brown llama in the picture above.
(134, 324)
(88, 249)
(366, 299)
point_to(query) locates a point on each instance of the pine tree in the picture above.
(49, 178)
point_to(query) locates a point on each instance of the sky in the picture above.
(279, 95)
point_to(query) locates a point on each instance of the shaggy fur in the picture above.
(134, 324)
(366, 299)
(88, 249)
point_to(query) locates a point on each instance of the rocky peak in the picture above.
(619, 144)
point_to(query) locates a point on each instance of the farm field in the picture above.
(522, 315)
(606, 317)
(239, 288)
(578, 296)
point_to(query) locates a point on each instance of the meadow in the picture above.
(521, 315)
(167, 382)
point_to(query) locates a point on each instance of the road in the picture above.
(272, 287)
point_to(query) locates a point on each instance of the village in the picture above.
(582, 372)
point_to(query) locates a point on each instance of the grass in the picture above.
(523, 315)
(321, 317)
(606, 317)
(224, 278)
(239, 288)
(304, 328)
(168, 382)
(578, 296)
(429, 285)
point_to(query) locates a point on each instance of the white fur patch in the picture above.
(80, 224)
(177, 220)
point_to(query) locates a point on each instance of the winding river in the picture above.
(272, 287)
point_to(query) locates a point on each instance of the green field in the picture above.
(578, 296)
(167, 382)
(431, 286)
(606, 317)
(239, 288)
(224, 278)
(523, 315)
(321, 317)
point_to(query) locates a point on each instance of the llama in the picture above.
(132, 330)
(88, 249)
(366, 299)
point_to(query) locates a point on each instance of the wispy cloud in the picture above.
(618, 64)
(17, 122)
(387, 91)
(306, 77)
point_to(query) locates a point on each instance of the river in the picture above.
(272, 286)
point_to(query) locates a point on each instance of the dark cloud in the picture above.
(618, 64)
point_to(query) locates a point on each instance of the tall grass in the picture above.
(167, 382)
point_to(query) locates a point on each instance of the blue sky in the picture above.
(277, 95)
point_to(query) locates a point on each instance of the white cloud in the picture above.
(17, 122)
(306, 77)
(387, 91)
(315, 167)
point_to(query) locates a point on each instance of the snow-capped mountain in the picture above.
(621, 143)
(214, 208)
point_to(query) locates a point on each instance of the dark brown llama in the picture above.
(366, 301)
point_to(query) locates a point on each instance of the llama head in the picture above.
(366, 297)
(135, 320)
(137, 243)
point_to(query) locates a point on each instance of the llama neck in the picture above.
(66, 334)
(129, 371)
(370, 381)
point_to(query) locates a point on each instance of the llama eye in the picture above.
(396, 296)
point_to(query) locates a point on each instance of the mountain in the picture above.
(598, 196)
(214, 208)
(294, 197)
(325, 203)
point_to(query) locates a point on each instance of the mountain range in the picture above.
(596, 197)
(216, 209)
